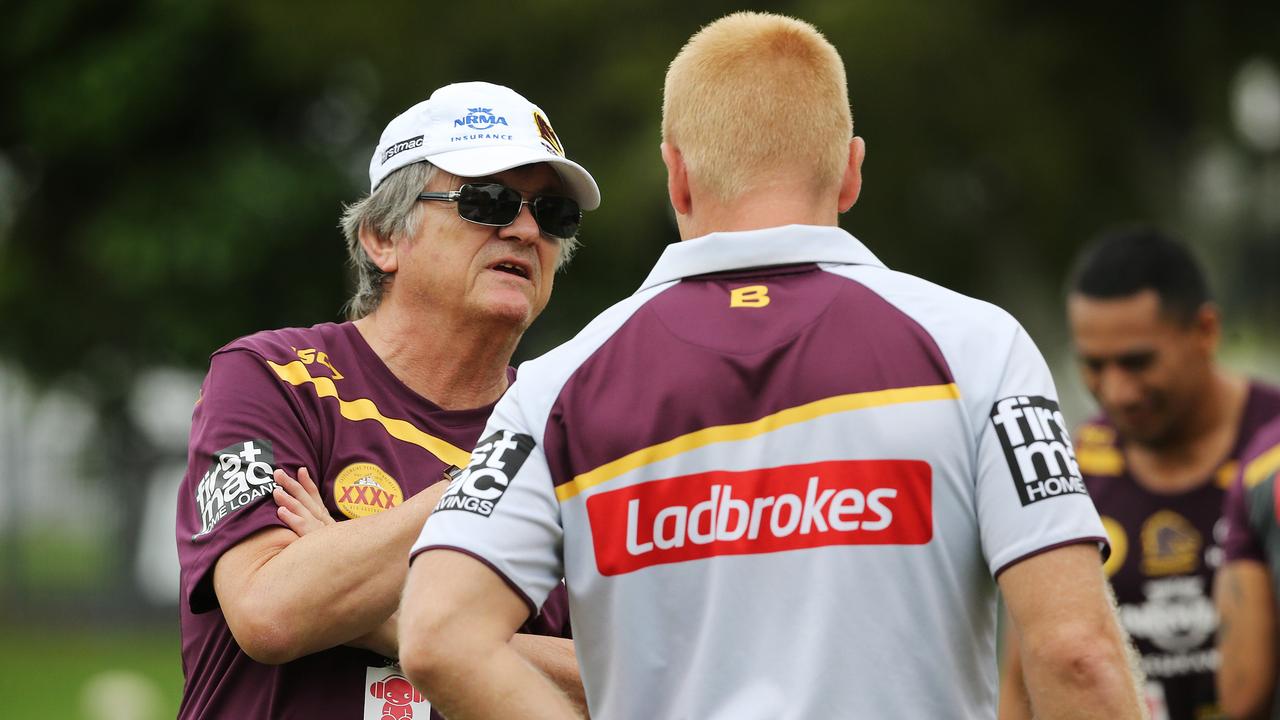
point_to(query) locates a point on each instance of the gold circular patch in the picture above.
(364, 489)
(1119, 545)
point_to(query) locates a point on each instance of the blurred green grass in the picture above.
(55, 560)
(45, 671)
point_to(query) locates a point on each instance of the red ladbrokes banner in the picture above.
(845, 502)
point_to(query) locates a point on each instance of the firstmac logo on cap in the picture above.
(1037, 447)
(480, 118)
(397, 148)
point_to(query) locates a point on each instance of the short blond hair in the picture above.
(754, 98)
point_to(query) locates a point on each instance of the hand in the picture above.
(300, 505)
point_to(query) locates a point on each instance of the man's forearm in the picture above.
(496, 682)
(456, 643)
(381, 639)
(1094, 675)
(1246, 639)
(552, 656)
(339, 585)
(1014, 702)
(1075, 658)
(555, 658)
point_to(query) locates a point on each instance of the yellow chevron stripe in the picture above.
(1099, 460)
(743, 431)
(1226, 474)
(1261, 467)
(1091, 434)
(295, 373)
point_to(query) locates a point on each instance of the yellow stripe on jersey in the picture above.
(295, 373)
(1091, 434)
(743, 431)
(1104, 460)
(1261, 467)
(1227, 473)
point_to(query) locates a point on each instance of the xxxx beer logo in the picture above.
(364, 489)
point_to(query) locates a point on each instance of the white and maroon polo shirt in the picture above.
(779, 481)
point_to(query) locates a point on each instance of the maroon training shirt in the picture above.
(1165, 548)
(318, 398)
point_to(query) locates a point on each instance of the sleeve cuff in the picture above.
(1103, 546)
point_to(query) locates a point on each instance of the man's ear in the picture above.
(381, 251)
(851, 185)
(677, 179)
(1208, 326)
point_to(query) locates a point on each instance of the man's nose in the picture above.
(523, 229)
(1117, 387)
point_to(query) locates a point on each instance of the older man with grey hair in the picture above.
(288, 606)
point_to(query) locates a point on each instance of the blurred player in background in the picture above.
(1158, 457)
(781, 480)
(1246, 587)
(472, 208)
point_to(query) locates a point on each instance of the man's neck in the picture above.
(454, 364)
(756, 210)
(1190, 456)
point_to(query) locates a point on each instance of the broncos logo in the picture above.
(548, 135)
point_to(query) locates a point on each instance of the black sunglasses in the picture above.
(498, 206)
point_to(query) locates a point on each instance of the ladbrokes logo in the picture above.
(1034, 436)
(846, 502)
(494, 462)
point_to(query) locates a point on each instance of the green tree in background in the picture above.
(167, 201)
(171, 172)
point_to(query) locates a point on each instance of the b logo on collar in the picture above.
(751, 296)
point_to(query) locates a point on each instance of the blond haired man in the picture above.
(781, 480)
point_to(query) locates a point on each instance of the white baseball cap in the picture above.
(474, 129)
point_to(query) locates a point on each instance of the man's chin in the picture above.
(1149, 434)
(515, 314)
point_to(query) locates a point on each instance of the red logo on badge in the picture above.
(844, 502)
(399, 695)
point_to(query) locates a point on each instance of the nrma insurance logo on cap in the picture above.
(479, 118)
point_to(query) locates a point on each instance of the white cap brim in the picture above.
(482, 161)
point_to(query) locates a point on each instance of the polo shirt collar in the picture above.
(785, 245)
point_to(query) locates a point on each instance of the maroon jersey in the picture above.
(1253, 505)
(318, 398)
(1252, 509)
(1164, 550)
